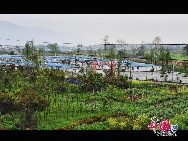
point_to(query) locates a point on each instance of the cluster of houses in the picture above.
(14, 60)
(71, 63)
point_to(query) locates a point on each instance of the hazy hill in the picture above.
(23, 33)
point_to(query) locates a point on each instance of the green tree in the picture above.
(152, 56)
(54, 48)
(28, 50)
(186, 49)
(120, 57)
(147, 56)
(100, 52)
(78, 50)
(162, 58)
(91, 81)
(157, 42)
(112, 52)
(167, 58)
(11, 53)
(140, 51)
(79, 46)
(134, 51)
(31, 54)
(37, 57)
(111, 55)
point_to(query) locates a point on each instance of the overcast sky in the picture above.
(133, 28)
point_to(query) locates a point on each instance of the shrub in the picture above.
(94, 126)
(141, 122)
(119, 123)
(30, 102)
(91, 82)
(122, 82)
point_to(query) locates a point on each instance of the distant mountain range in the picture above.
(23, 33)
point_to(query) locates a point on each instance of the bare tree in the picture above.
(156, 42)
(121, 53)
(106, 39)
(122, 43)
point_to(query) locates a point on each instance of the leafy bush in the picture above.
(141, 122)
(26, 103)
(94, 126)
(136, 83)
(29, 99)
(91, 82)
(7, 103)
(9, 121)
(122, 82)
(57, 75)
(119, 123)
(181, 120)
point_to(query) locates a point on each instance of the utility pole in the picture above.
(44, 53)
(152, 54)
(105, 40)
(172, 71)
(130, 71)
(172, 68)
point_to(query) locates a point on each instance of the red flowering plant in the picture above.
(164, 128)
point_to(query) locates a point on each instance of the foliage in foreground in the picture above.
(44, 99)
